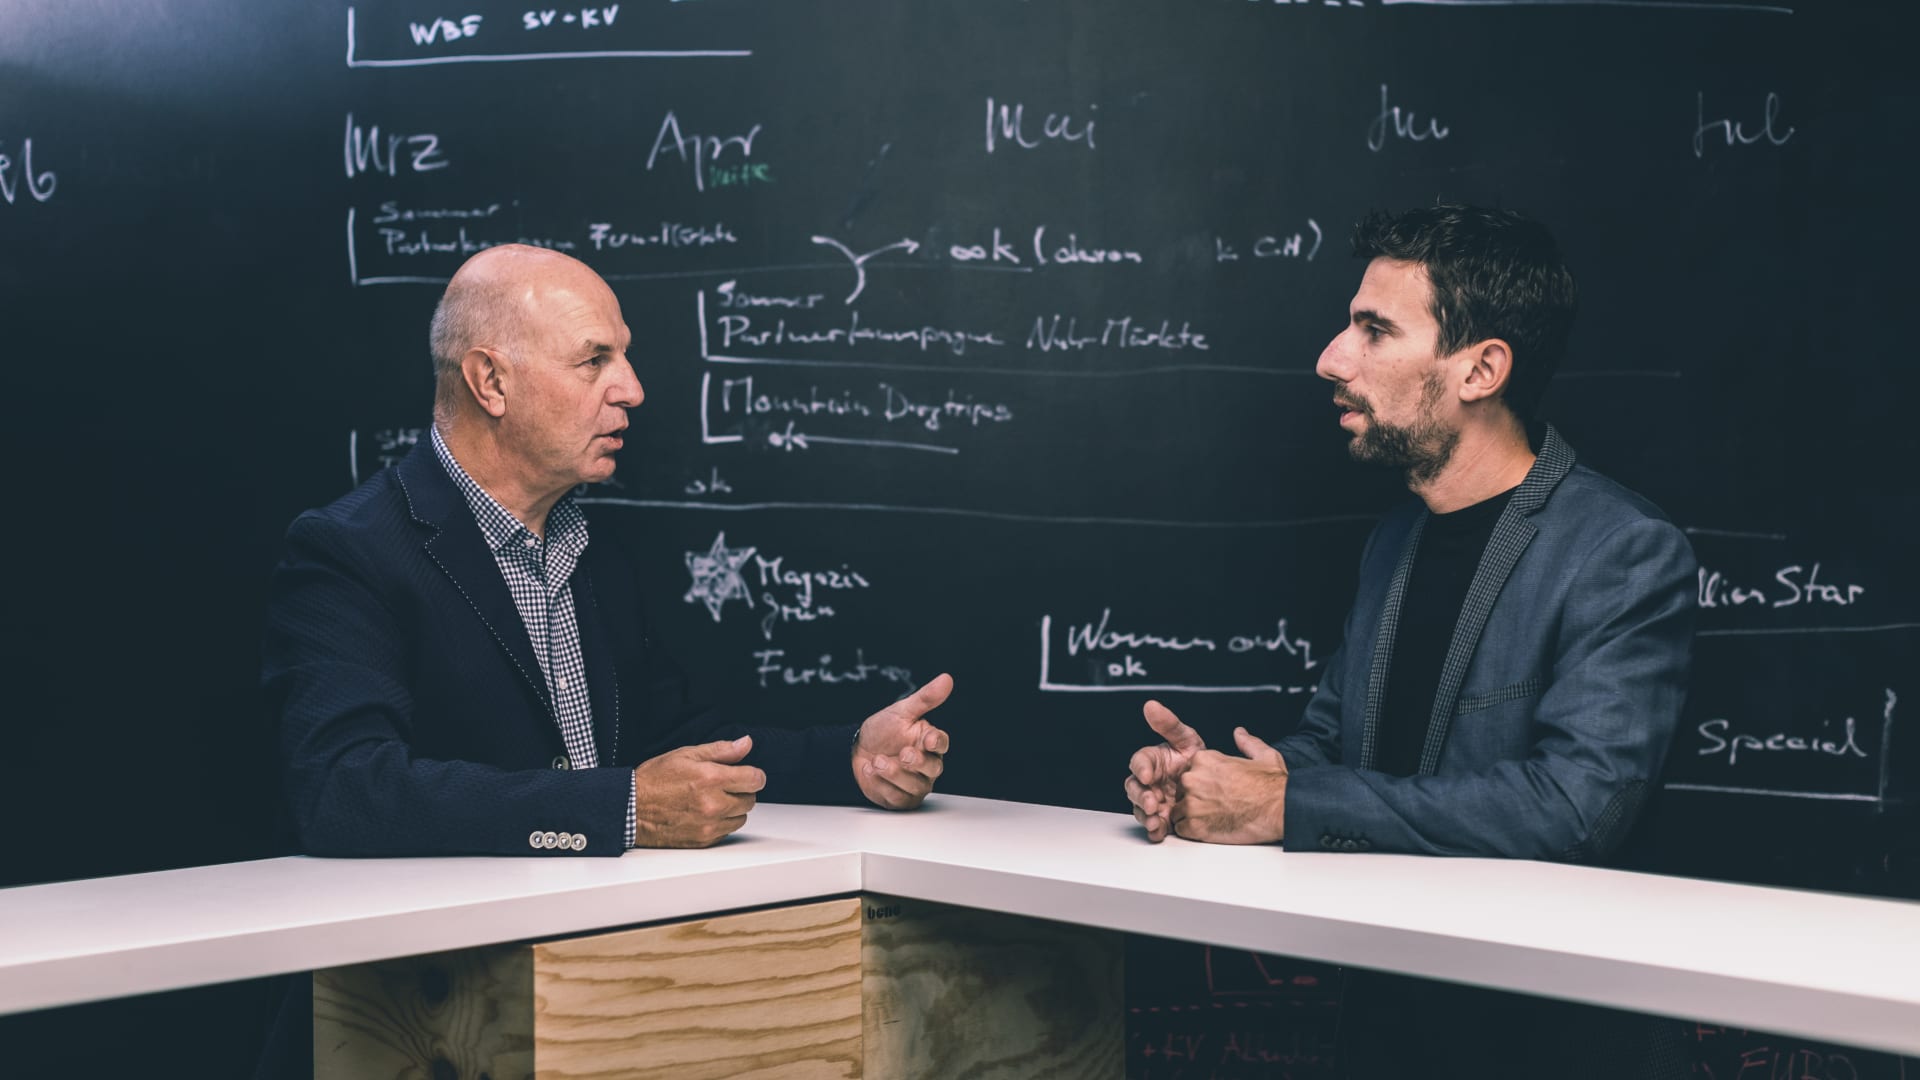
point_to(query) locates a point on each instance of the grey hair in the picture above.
(475, 311)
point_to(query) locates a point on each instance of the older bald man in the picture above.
(457, 670)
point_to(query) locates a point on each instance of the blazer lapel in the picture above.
(1383, 643)
(1511, 535)
(460, 551)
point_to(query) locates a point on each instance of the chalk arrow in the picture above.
(860, 261)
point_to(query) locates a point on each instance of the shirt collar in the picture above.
(498, 526)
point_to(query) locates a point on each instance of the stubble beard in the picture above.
(1421, 450)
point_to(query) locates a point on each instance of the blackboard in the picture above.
(976, 337)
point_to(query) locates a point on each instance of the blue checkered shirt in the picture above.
(537, 572)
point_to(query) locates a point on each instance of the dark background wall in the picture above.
(220, 251)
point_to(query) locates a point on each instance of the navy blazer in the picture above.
(1559, 695)
(413, 716)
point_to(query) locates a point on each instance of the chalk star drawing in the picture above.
(716, 576)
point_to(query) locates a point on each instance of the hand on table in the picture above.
(1153, 775)
(1183, 788)
(693, 796)
(1224, 799)
(899, 753)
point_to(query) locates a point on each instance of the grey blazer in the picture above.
(1558, 697)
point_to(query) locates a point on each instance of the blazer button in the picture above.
(548, 840)
(579, 841)
(1326, 841)
(564, 841)
(534, 841)
(561, 762)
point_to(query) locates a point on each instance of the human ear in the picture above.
(484, 373)
(1491, 367)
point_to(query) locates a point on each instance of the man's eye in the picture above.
(1374, 333)
(596, 360)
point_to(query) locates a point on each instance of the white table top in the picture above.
(1837, 968)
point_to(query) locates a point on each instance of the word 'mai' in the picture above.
(1008, 127)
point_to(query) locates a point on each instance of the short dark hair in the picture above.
(1495, 274)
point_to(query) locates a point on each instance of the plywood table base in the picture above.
(871, 986)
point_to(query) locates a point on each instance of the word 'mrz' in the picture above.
(366, 151)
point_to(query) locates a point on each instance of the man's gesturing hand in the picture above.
(1153, 776)
(693, 796)
(1234, 800)
(899, 753)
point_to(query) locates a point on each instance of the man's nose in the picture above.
(627, 391)
(1333, 361)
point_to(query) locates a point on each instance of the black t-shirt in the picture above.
(1443, 568)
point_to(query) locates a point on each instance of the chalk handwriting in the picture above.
(712, 484)
(1060, 333)
(1735, 133)
(716, 576)
(1131, 653)
(1794, 585)
(881, 404)
(930, 414)
(1068, 252)
(1072, 252)
(730, 294)
(860, 261)
(584, 18)
(364, 151)
(391, 212)
(698, 152)
(1090, 636)
(1720, 738)
(1280, 641)
(1275, 245)
(1000, 251)
(547, 23)
(742, 329)
(774, 571)
(789, 594)
(739, 395)
(1395, 122)
(794, 439)
(420, 242)
(670, 234)
(445, 29)
(719, 176)
(39, 185)
(774, 670)
(1009, 124)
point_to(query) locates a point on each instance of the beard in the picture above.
(1420, 449)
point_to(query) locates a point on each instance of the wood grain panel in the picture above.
(461, 1014)
(955, 992)
(772, 993)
